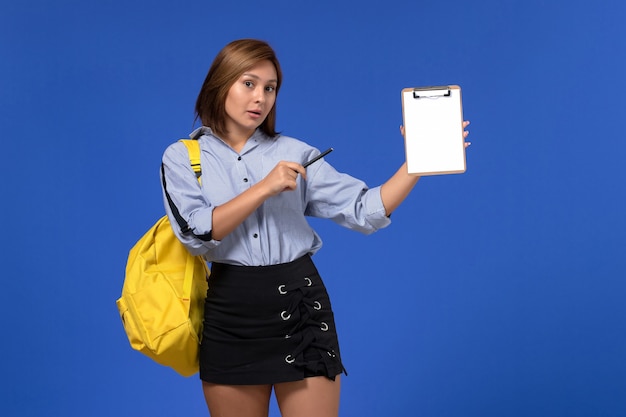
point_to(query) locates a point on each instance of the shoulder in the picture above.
(175, 151)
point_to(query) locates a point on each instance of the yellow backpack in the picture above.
(162, 302)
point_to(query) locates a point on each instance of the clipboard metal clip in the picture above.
(431, 92)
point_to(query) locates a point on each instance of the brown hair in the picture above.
(230, 63)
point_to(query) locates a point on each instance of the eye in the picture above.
(248, 84)
(270, 88)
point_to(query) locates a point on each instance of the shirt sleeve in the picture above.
(346, 200)
(186, 194)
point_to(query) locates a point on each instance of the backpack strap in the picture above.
(193, 147)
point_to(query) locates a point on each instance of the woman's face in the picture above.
(250, 99)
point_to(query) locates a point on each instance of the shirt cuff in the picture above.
(375, 210)
(204, 217)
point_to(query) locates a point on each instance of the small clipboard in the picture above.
(433, 130)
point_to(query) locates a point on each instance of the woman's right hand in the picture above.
(283, 177)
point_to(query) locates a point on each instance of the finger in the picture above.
(292, 166)
(296, 169)
(466, 123)
(302, 171)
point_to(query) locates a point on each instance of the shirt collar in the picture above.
(257, 137)
(201, 131)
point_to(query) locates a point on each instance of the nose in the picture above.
(259, 95)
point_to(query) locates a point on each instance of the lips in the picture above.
(254, 113)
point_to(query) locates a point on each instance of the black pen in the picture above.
(323, 154)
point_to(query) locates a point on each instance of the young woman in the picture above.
(268, 320)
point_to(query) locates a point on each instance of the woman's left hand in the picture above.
(466, 132)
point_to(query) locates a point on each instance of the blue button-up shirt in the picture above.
(277, 232)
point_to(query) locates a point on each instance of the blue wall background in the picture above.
(499, 292)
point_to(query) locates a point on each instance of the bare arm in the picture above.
(231, 214)
(397, 188)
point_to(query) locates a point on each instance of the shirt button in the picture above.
(239, 158)
(245, 180)
(255, 235)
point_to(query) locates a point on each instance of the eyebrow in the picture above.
(247, 74)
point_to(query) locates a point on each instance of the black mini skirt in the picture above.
(268, 324)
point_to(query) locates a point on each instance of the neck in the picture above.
(237, 140)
